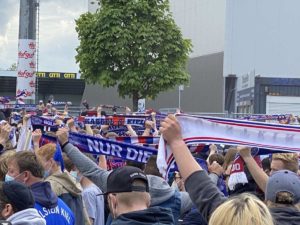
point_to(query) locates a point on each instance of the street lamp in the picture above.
(180, 88)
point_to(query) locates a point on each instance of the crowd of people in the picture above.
(53, 181)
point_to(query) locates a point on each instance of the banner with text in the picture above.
(26, 69)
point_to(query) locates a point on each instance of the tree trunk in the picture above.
(135, 99)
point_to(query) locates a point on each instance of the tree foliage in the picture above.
(134, 44)
(13, 67)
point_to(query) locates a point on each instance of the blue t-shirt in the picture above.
(94, 204)
(59, 215)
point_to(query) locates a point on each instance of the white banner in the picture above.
(141, 105)
(26, 69)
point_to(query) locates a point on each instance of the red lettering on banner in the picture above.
(29, 93)
(25, 55)
(32, 83)
(32, 64)
(25, 74)
(31, 45)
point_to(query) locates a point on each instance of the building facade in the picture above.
(261, 56)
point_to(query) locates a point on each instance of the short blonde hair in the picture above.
(4, 158)
(47, 151)
(243, 209)
(289, 160)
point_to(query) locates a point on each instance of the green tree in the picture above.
(134, 44)
(13, 67)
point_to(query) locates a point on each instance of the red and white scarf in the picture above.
(237, 174)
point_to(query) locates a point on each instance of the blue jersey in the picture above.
(59, 215)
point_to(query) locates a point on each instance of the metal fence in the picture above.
(76, 110)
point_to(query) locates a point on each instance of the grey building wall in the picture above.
(204, 93)
(273, 86)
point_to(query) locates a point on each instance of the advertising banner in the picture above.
(26, 69)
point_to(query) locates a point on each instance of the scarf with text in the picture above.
(199, 129)
(101, 146)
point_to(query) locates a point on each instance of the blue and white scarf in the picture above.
(96, 146)
(43, 121)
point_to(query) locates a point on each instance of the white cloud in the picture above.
(58, 38)
(9, 25)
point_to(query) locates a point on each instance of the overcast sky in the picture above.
(58, 38)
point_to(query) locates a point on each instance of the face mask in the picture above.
(47, 173)
(10, 178)
(74, 174)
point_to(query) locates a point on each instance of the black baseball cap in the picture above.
(19, 195)
(121, 180)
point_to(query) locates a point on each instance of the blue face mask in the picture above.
(74, 174)
(47, 173)
(8, 178)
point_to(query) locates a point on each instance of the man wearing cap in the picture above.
(129, 199)
(16, 205)
(161, 193)
(283, 197)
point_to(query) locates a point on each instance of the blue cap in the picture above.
(283, 181)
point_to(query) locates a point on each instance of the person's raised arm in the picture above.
(260, 177)
(86, 166)
(89, 129)
(171, 131)
(148, 127)
(131, 131)
(71, 125)
(201, 189)
(102, 159)
(99, 109)
(155, 134)
(36, 136)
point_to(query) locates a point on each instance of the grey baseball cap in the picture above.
(283, 181)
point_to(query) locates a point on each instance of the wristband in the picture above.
(62, 147)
